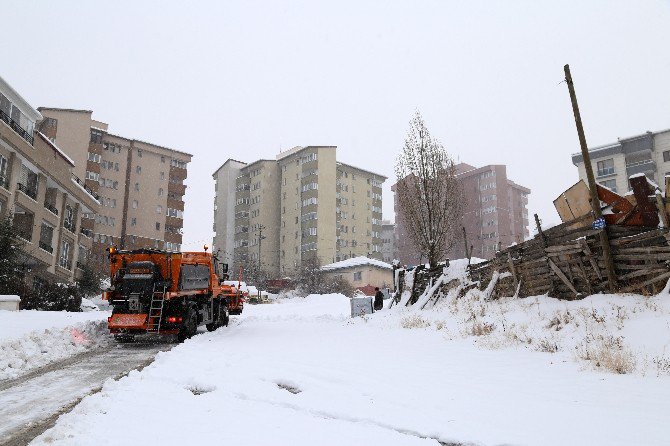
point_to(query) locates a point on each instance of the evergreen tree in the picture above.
(10, 281)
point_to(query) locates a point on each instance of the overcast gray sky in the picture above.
(245, 79)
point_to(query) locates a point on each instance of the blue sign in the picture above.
(599, 223)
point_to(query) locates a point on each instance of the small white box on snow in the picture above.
(9, 302)
(361, 306)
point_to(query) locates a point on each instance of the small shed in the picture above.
(362, 272)
(9, 302)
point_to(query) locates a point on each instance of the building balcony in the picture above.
(643, 166)
(47, 247)
(69, 225)
(51, 208)
(17, 128)
(30, 191)
(86, 232)
(177, 188)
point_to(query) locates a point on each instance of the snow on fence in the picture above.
(566, 262)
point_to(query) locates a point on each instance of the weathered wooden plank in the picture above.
(653, 280)
(642, 273)
(651, 257)
(641, 250)
(562, 276)
(638, 237)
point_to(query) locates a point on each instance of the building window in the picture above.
(138, 169)
(160, 192)
(163, 159)
(137, 187)
(68, 220)
(139, 153)
(158, 226)
(135, 204)
(133, 221)
(666, 156)
(96, 136)
(64, 259)
(605, 167)
(94, 157)
(610, 184)
(162, 175)
(159, 209)
(358, 275)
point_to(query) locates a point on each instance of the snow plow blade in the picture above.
(127, 322)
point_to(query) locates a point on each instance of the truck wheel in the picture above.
(190, 326)
(222, 319)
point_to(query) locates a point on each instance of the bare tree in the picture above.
(429, 195)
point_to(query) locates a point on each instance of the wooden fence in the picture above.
(566, 262)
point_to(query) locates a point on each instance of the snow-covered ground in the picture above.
(534, 371)
(32, 339)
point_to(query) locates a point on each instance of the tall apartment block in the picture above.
(41, 195)
(304, 203)
(141, 185)
(614, 163)
(495, 215)
(388, 241)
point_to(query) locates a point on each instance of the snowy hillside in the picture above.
(301, 372)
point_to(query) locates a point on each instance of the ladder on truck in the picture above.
(156, 309)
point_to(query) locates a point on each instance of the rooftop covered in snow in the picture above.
(356, 262)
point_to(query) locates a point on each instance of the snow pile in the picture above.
(33, 339)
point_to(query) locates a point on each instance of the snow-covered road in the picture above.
(302, 372)
(28, 405)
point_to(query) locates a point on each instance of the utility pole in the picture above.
(260, 239)
(595, 201)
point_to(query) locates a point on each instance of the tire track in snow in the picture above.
(331, 416)
(31, 404)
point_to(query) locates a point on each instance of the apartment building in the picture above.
(40, 193)
(304, 202)
(256, 240)
(140, 184)
(614, 163)
(388, 241)
(225, 186)
(495, 215)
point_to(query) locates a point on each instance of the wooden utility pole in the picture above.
(595, 201)
(468, 253)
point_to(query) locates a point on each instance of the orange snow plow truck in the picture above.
(163, 292)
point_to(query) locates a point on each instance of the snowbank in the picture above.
(33, 339)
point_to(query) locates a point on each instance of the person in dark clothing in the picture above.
(379, 299)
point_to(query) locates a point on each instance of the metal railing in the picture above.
(30, 191)
(24, 234)
(86, 188)
(17, 128)
(47, 247)
(69, 225)
(51, 208)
